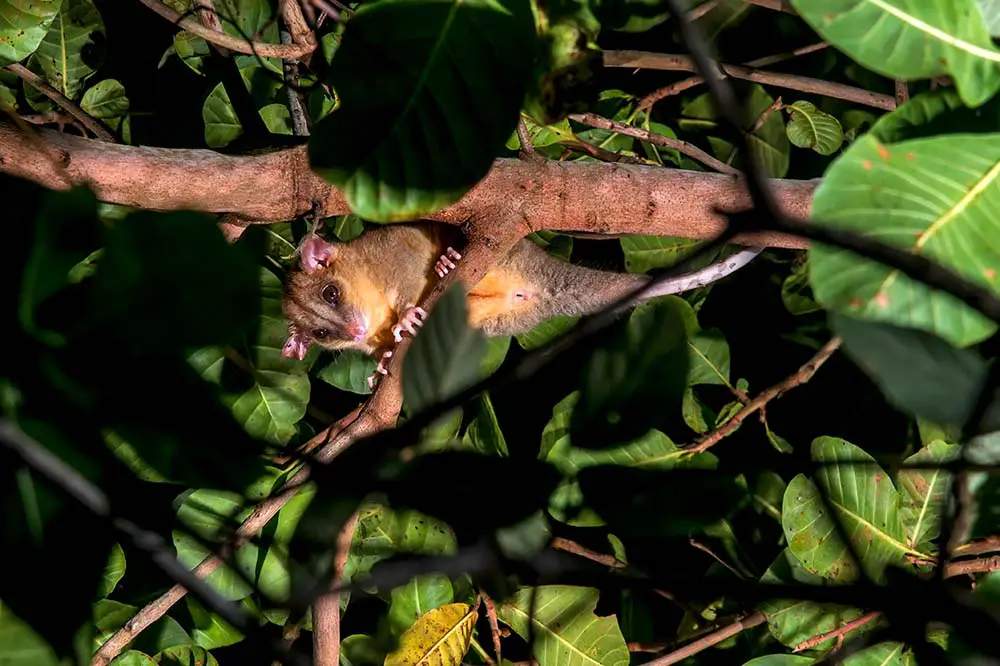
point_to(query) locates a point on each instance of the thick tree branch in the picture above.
(278, 186)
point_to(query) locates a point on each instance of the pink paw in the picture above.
(380, 369)
(445, 263)
(411, 319)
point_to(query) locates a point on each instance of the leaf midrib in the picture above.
(898, 545)
(572, 648)
(937, 33)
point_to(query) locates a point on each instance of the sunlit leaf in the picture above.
(440, 636)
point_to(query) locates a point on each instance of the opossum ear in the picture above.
(315, 253)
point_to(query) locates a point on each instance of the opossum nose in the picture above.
(357, 331)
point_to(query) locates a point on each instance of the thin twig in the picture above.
(801, 376)
(682, 63)
(522, 136)
(708, 641)
(237, 44)
(837, 633)
(902, 93)
(491, 615)
(594, 120)
(702, 9)
(776, 105)
(681, 86)
(705, 549)
(560, 543)
(36, 81)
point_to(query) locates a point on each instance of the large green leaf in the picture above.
(269, 395)
(105, 99)
(863, 500)
(888, 653)
(23, 25)
(429, 91)
(792, 621)
(918, 372)
(924, 493)
(912, 39)
(566, 630)
(20, 645)
(446, 356)
(73, 48)
(808, 127)
(937, 197)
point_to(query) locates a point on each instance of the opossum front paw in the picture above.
(445, 263)
(380, 369)
(411, 319)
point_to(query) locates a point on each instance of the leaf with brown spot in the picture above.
(440, 637)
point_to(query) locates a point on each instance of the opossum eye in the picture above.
(331, 294)
(320, 333)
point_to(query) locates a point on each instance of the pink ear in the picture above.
(315, 253)
(296, 346)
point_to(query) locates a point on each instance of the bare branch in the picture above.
(85, 119)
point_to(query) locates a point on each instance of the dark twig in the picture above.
(799, 377)
(708, 641)
(776, 105)
(594, 120)
(839, 633)
(902, 93)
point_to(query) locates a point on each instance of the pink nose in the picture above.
(357, 331)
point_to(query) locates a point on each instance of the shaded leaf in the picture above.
(546, 332)
(132, 658)
(484, 432)
(113, 572)
(420, 595)
(643, 253)
(566, 630)
(636, 380)
(186, 655)
(445, 358)
(924, 493)
(349, 370)
(222, 125)
(918, 372)
(412, 75)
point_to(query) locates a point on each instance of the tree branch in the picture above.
(71, 108)
(279, 186)
(708, 641)
(227, 41)
(682, 63)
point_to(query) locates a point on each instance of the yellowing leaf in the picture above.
(440, 637)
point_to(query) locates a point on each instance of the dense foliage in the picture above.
(638, 491)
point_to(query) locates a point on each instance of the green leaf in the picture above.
(19, 644)
(73, 48)
(210, 630)
(792, 621)
(909, 39)
(780, 660)
(808, 127)
(186, 655)
(924, 494)
(132, 658)
(636, 380)
(105, 99)
(174, 277)
(643, 253)
(543, 135)
(421, 594)
(430, 90)
(888, 653)
(277, 118)
(496, 352)
(23, 25)
(863, 499)
(912, 195)
(191, 50)
(222, 125)
(346, 227)
(113, 572)
(918, 372)
(991, 14)
(484, 432)
(445, 358)
(110, 616)
(566, 630)
(349, 370)
(796, 293)
(546, 332)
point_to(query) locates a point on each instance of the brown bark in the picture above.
(278, 186)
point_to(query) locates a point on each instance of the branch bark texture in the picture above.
(279, 186)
